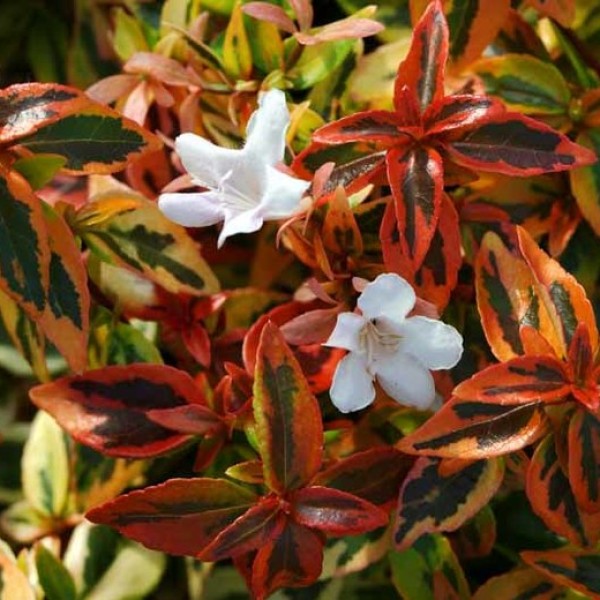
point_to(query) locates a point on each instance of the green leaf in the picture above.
(525, 83)
(54, 578)
(24, 247)
(45, 467)
(428, 571)
(96, 140)
(39, 169)
(237, 57)
(128, 37)
(317, 62)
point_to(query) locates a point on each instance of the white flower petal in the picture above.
(346, 333)
(352, 388)
(405, 379)
(282, 194)
(246, 221)
(266, 128)
(192, 210)
(204, 161)
(435, 344)
(390, 296)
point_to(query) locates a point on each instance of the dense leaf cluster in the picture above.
(181, 412)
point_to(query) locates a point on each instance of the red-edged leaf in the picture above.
(373, 475)
(107, 409)
(552, 498)
(584, 460)
(423, 69)
(508, 298)
(473, 429)
(24, 246)
(259, 525)
(357, 164)
(416, 177)
(65, 321)
(336, 512)
(521, 583)
(377, 126)
(458, 112)
(517, 145)
(193, 419)
(437, 276)
(571, 568)
(432, 501)
(564, 293)
(26, 107)
(288, 418)
(519, 380)
(293, 559)
(180, 516)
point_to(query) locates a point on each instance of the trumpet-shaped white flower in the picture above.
(387, 345)
(244, 187)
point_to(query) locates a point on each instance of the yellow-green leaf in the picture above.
(129, 231)
(237, 56)
(45, 467)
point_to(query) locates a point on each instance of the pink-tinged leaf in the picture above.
(256, 527)
(416, 177)
(346, 29)
(584, 460)
(336, 512)
(475, 429)
(516, 145)
(551, 497)
(313, 327)
(377, 126)
(563, 292)
(293, 559)
(112, 88)
(65, 321)
(270, 13)
(107, 409)
(304, 13)
(431, 500)
(288, 418)
(522, 379)
(453, 113)
(423, 69)
(318, 362)
(373, 475)
(192, 419)
(180, 516)
(166, 70)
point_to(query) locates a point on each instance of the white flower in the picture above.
(386, 345)
(244, 187)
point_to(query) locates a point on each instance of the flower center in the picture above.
(375, 341)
